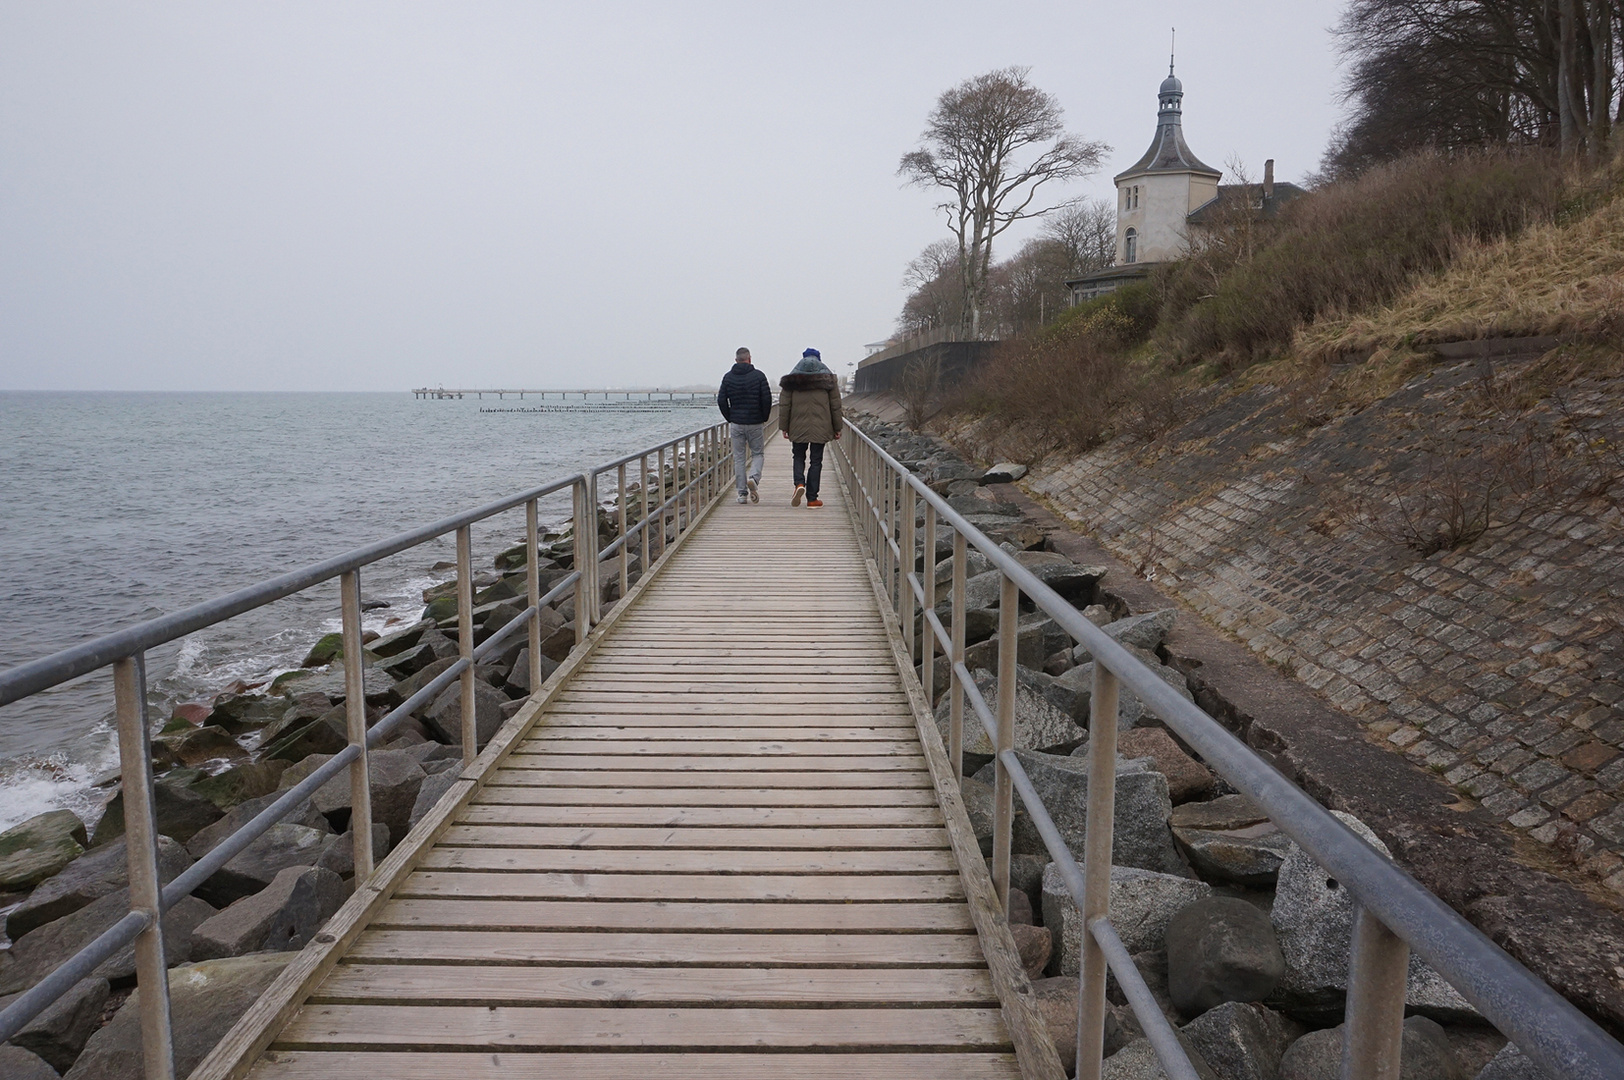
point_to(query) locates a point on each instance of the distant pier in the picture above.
(441, 393)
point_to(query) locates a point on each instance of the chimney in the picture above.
(1268, 178)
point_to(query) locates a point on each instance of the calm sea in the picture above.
(118, 507)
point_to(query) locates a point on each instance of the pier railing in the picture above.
(1395, 913)
(687, 474)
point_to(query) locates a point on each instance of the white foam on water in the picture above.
(33, 786)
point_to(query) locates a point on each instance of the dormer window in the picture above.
(1130, 246)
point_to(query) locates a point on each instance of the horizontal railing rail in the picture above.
(690, 472)
(1394, 912)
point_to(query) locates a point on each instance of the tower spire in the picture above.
(1172, 50)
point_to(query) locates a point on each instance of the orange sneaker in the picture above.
(811, 503)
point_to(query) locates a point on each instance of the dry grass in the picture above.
(1554, 279)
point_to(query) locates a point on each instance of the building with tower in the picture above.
(1167, 193)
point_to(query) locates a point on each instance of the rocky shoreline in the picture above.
(218, 763)
(1243, 939)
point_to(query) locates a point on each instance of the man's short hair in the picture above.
(741, 351)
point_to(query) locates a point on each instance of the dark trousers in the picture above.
(808, 474)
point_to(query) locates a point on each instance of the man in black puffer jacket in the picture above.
(746, 400)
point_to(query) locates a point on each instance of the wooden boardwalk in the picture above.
(719, 852)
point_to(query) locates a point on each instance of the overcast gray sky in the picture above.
(374, 196)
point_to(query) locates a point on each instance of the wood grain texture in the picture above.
(715, 846)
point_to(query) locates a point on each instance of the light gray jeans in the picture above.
(747, 440)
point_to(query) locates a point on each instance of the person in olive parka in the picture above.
(809, 416)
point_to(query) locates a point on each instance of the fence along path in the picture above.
(718, 853)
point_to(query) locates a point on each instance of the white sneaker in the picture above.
(743, 498)
(755, 496)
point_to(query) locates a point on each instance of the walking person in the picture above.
(746, 400)
(809, 417)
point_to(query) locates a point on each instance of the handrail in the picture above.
(696, 478)
(1395, 912)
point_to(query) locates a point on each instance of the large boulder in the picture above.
(256, 866)
(518, 673)
(1313, 918)
(1056, 1000)
(180, 810)
(1140, 835)
(1005, 472)
(1225, 813)
(407, 662)
(304, 813)
(61, 1031)
(1146, 631)
(283, 916)
(88, 878)
(1187, 778)
(327, 734)
(240, 713)
(1424, 1054)
(39, 848)
(1221, 949)
(430, 793)
(1032, 640)
(1247, 856)
(1137, 1061)
(977, 798)
(1073, 691)
(1034, 944)
(395, 777)
(19, 1064)
(205, 1000)
(339, 856)
(1143, 902)
(1241, 1041)
(444, 717)
(240, 783)
(1511, 1064)
(39, 952)
(1038, 725)
(398, 641)
(1074, 583)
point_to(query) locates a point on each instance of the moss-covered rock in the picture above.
(324, 650)
(39, 848)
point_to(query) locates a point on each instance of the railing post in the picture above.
(532, 531)
(465, 640)
(141, 853)
(1378, 977)
(648, 508)
(907, 567)
(1097, 840)
(1003, 794)
(888, 482)
(955, 723)
(585, 557)
(659, 469)
(927, 646)
(355, 716)
(625, 541)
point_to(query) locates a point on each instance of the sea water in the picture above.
(118, 507)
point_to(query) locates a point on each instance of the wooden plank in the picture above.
(697, 707)
(344, 1065)
(718, 763)
(634, 861)
(814, 735)
(630, 836)
(541, 1028)
(468, 884)
(498, 791)
(496, 985)
(753, 817)
(621, 948)
(742, 696)
(726, 748)
(742, 778)
(601, 915)
(560, 722)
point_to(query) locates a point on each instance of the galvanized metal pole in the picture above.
(1003, 792)
(927, 647)
(955, 722)
(532, 531)
(465, 641)
(906, 593)
(594, 607)
(625, 556)
(660, 499)
(141, 853)
(355, 717)
(1097, 840)
(584, 557)
(1378, 976)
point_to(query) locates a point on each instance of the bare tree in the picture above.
(934, 299)
(1086, 229)
(973, 145)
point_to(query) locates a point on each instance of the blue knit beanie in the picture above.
(812, 352)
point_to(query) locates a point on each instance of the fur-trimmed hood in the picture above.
(794, 381)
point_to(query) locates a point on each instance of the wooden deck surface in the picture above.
(719, 853)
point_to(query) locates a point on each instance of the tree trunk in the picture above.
(1566, 54)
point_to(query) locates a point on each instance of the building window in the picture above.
(1130, 246)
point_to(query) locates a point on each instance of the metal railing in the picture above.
(1395, 913)
(689, 473)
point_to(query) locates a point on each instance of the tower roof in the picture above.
(1168, 151)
